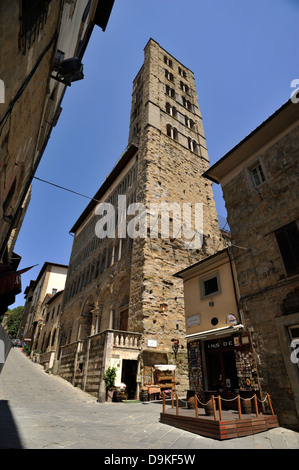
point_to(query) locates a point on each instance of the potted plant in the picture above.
(109, 377)
(27, 350)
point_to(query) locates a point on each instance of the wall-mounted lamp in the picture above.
(163, 308)
(175, 346)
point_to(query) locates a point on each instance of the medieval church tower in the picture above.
(122, 304)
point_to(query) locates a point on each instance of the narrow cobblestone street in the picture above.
(41, 411)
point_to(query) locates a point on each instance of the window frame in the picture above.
(204, 279)
(172, 132)
(262, 176)
(168, 61)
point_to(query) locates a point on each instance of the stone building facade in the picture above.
(42, 44)
(116, 286)
(259, 178)
(50, 280)
(46, 345)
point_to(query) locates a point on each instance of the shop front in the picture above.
(222, 365)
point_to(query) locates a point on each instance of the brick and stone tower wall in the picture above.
(166, 125)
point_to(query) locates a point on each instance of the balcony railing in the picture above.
(120, 339)
(126, 339)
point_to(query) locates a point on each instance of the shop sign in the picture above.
(231, 319)
(220, 343)
(152, 343)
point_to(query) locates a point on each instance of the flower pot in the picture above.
(109, 396)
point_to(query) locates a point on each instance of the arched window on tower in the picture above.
(184, 87)
(169, 91)
(186, 103)
(172, 132)
(193, 145)
(171, 110)
(168, 75)
(189, 123)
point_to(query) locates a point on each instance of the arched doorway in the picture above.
(85, 320)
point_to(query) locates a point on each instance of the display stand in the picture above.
(165, 378)
(157, 380)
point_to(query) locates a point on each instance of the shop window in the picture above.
(257, 175)
(210, 286)
(288, 242)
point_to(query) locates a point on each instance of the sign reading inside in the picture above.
(221, 343)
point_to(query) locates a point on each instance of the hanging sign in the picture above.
(231, 319)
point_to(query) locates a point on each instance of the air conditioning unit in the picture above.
(67, 70)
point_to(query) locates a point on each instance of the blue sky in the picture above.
(244, 57)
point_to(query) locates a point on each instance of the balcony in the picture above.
(126, 339)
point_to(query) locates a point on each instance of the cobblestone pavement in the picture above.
(42, 411)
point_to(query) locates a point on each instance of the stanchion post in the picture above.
(214, 407)
(219, 408)
(270, 404)
(195, 404)
(164, 408)
(255, 405)
(177, 405)
(239, 407)
(172, 398)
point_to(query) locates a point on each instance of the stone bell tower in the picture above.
(122, 304)
(166, 125)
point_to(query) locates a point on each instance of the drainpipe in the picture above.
(234, 284)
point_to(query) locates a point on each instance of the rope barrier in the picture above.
(212, 399)
(229, 399)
